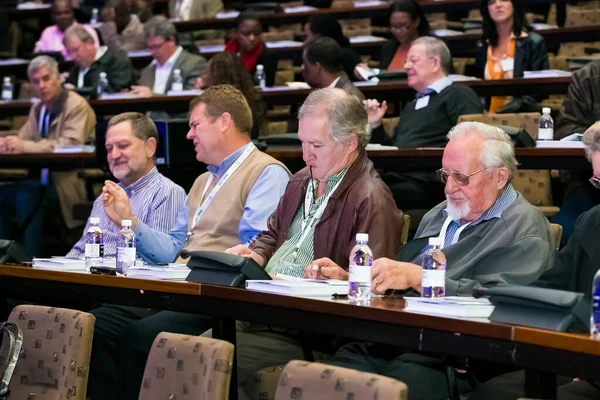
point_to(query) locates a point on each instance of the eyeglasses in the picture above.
(595, 181)
(399, 26)
(157, 46)
(459, 178)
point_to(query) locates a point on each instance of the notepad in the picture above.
(452, 306)
(299, 9)
(170, 272)
(299, 287)
(283, 44)
(546, 73)
(74, 149)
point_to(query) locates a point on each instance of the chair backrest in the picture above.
(527, 121)
(405, 229)
(184, 366)
(556, 230)
(57, 346)
(306, 380)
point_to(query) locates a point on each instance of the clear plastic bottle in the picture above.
(125, 248)
(433, 282)
(7, 89)
(359, 277)
(177, 85)
(595, 317)
(102, 84)
(94, 19)
(260, 79)
(94, 245)
(546, 125)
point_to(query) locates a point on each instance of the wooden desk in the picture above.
(396, 160)
(384, 321)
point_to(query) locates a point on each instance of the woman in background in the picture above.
(227, 68)
(326, 25)
(507, 49)
(407, 23)
(249, 46)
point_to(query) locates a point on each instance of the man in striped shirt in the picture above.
(131, 141)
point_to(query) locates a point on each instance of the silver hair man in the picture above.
(345, 112)
(436, 48)
(42, 61)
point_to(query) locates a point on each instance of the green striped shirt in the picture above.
(291, 259)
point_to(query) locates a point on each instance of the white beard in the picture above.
(458, 211)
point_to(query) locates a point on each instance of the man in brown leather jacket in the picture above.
(338, 195)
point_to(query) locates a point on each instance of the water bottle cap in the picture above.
(435, 241)
(260, 67)
(94, 220)
(7, 79)
(102, 74)
(546, 110)
(177, 71)
(126, 223)
(362, 237)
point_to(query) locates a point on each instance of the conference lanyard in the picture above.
(456, 234)
(308, 223)
(230, 171)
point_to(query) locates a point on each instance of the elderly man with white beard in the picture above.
(491, 235)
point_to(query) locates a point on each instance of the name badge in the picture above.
(508, 64)
(422, 102)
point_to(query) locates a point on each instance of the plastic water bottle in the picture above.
(433, 282)
(595, 317)
(94, 245)
(260, 79)
(94, 19)
(177, 85)
(546, 125)
(102, 84)
(125, 248)
(7, 89)
(361, 261)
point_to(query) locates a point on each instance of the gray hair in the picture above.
(79, 32)
(435, 47)
(42, 61)
(142, 127)
(498, 149)
(345, 112)
(591, 139)
(160, 26)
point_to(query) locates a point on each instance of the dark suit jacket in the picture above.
(191, 66)
(117, 66)
(530, 55)
(576, 264)
(346, 84)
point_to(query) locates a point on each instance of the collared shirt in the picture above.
(495, 211)
(260, 204)
(289, 259)
(155, 201)
(99, 53)
(52, 40)
(162, 72)
(440, 84)
(335, 81)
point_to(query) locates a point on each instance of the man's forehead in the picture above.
(40, 73)
(416, 49)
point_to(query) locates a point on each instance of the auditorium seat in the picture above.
(55, 357)
(187, 367)
(307, 380)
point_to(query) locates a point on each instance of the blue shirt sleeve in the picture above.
(158, 247)
(262, 201)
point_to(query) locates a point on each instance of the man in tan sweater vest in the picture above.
(226, 206)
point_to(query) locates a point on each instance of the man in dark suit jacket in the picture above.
(91, 61)
(322, 66)
(168, 56)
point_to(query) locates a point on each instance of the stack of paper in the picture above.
(546, 73)
(171, 272)
(298, 9)
(559, 144)
(118, 96)
(228, 14)
(453, 306)
(283, 44)
(185, 92)
(366, 39)
(30, 5)
(377, 146)
(215, 48)
(447, 32)
(138, 53)
(74, 149)
(60, 264)
(462, 78)
(299, 287)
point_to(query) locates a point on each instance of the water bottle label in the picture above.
(359, 273)
(262, 84)
(94, 250)
(6, 95)
(176, 87)
(545, 134)
(433, 278)
(126, 254)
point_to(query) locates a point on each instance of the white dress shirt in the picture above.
(162, 72)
